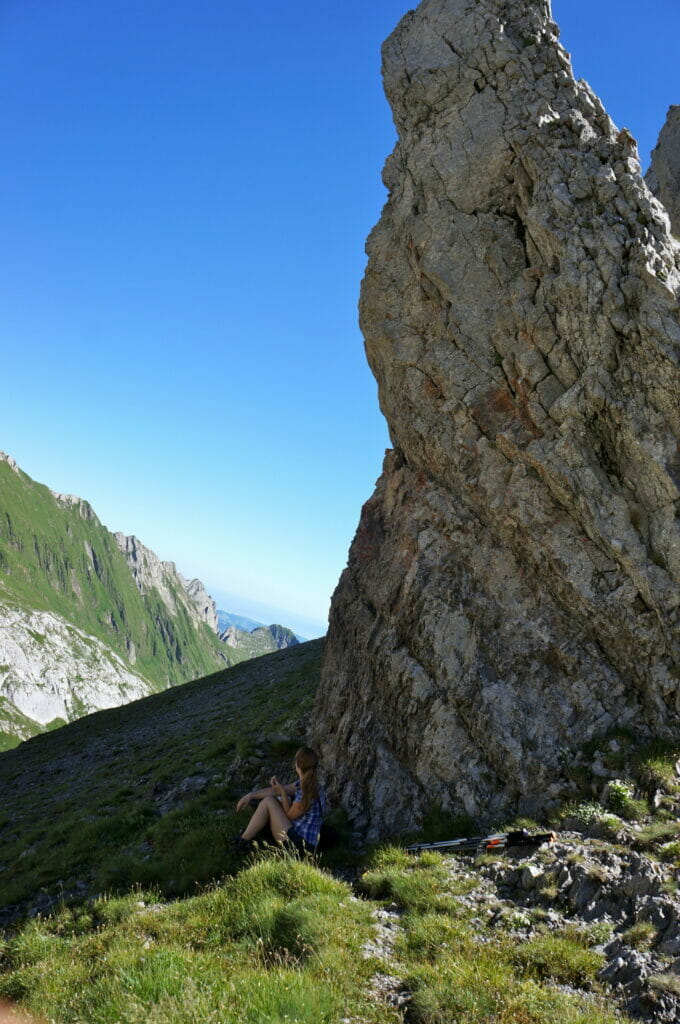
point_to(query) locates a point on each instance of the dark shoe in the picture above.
(242, 845)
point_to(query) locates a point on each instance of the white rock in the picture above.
(49, 669)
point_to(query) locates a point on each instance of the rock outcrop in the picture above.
(513, 587)
(230, 636)
(259, 641)
(663, 177)
(50, 670)
(207, 609)
(281, 635)
(4, 457)
(150, 572)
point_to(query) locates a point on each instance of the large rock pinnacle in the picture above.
(663, 177)
(512, 589)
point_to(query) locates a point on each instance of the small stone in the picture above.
(637, 885)
(530, 876)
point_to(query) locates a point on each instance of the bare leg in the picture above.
(269, 811)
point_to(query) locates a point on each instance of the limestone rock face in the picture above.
(207, 608)
(52, 670)
(512, 590)
(4, 457)
(663, 177)
(84, 509)
(230, 636)
(149, 572)
(281, 635)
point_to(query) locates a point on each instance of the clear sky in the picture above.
(185, 192)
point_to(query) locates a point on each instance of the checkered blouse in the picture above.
(308, 826)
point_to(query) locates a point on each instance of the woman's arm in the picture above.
(283, 793)
(259, 794)
(295, 810)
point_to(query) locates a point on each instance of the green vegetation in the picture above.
(647, 786)
(657, 834)
(641, 935)
(564, 957)
(622, 800)
(665, 983)
(59, 558)
(415, 884)
(455, 976)
(655, 766)
(101, 781)
(279, 942)
(282, 941)
(185, 931)
(585, 813)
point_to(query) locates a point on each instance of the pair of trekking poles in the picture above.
(488, 844)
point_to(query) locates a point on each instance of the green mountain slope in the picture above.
(146, 792)
(56, 556)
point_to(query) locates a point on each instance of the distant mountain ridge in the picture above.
(111, 610)
(246, 625)
(259, 641)
(149, 572)
(227, 619)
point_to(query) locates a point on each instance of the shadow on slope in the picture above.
(145, 793)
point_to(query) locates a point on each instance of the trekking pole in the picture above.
(498, 841)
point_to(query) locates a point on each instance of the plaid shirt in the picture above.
(308, 826)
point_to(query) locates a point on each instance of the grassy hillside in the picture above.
(60, 558)
(104, 820)
(285, 943)
(99, 803)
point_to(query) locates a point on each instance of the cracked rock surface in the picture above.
(512, 589)
(581, 882)
(663, 177)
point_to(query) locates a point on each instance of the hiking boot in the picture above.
(242, 845)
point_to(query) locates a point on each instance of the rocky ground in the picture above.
(594, 884)
(609, 881)
(626, 903)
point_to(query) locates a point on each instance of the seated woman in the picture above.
(293, 812)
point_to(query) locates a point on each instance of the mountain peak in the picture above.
(73, 501)
(4, 457)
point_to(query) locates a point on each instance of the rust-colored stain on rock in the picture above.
(497, 412)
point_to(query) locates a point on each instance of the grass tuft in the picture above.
(279, 942)
(641, 936)
(565, 958)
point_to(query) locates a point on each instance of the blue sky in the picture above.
(185, 194)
